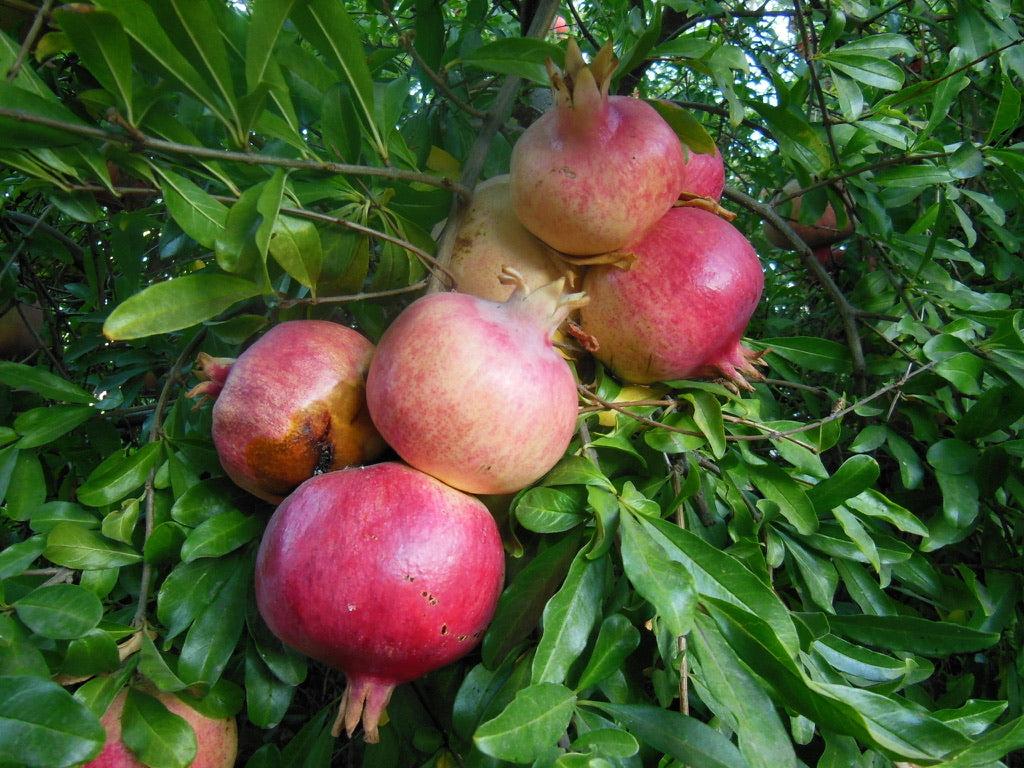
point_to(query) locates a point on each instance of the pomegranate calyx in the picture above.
(365, 699)
(580, 90)
(548, 305)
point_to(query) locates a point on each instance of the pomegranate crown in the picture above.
(579, 85)
(548, 305)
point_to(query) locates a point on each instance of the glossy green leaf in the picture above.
(266, 23)
(43, 726)
(568, 619)
(220, 535)
(664, 582)
(913, 634)
(534, 720)
(873, 504)
(295, 245)
(707, 413)
(41, 426)
(1008, 112)
(606, 742)
(616, 639)
(21, 132)
(686, 739)
(547, 510)
(266, 698)
(18, 653)
(866, 69)
(997, 744)
(796, 138)
(26, 486)
(811, 353)
(188, 590)
(199, 215)
(210, 641)
(524, 57)
(689, 130)
(18, 556)
(102, 44)
(860, 662)
(119, 525)
(793, 502)
(60, 611)
(577, 470)
(50, 386)
(157, 736)
(93, 653)
(177, 304)
(75, 546)
(855, 475)
(119, 475)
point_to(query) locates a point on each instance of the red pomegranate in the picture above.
(382, 572)
(216, 739)
(819, 236)
(678, 312)
(291, 406)
(704, 175)
(592, 174)
(472, 391)
(490, 238)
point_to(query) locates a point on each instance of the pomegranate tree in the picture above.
(291, 406)
(593, 173)
(382, 572)
(491, 237)
(473, 391)
(216, 738)
(679, 310)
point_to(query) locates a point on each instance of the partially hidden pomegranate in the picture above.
(680, 309)
(704, 175)
(216, 738)
(593, 173)
(491, 237)
(473, 391)
(819, 236)
(291, 406)
(381, 572)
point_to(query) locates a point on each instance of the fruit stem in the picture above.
(547, 306)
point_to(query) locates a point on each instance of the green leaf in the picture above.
(20, 376)
(119, 525)
(793, 502)
(73, 546)
(689, 130)
(1008, 112)
(547, 510)
(664, 582)
(118, 475)
(912, 634)
(22, 132)
(707, 413)
(997, 744)
(856, 474)
(26, 488)
(795, 136)
(606, 742)
(295, 245)
(577, 470)
(616, 640)
(878, 73)
(873, 504)
(267, 698)
(18, 652)
(60, 611)
(569, 618)
(177, 304)
(814, 354)
(534, 720)
(158, 737)
(41, 426)
(16, 557)
(199, 215)
(188, 589)
(207, 499)
(523, 57)
(43, 726)
(93, 653)
(265, 24)
(683, 738)
(213, 636)
(220, 535)
(100, 41)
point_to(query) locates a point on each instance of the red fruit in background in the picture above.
(20, 326)
(593, 173)
(291, 406)
(382, 572)
(490, 238)
(819, 235)
(216, 739)
(680, 309)
(704, 174)
(472, 391)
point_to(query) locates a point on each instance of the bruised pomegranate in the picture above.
(291, 406)
(490, 237)
(216, 738)
(382, 572)
(472, 391)
(819, 236)
(679, 310)
(592, 174)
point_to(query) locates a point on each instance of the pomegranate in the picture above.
(381, 572)
(593, 173)
(819, 236)
(704, 175)
(472, 391)
(490, 237)
(20, 327)
(216, 739)
(678, 312)
(291, 406)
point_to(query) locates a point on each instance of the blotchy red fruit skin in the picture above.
(292, 405)
(593, 173)
(704, 174)
(382, 572)
(473, 392)
(679, 311)
(216, 739)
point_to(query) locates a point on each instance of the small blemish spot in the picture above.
(444, 629)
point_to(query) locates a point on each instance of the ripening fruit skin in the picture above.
(472, 391)
(382, 572)
(818, 236)
(593, 173)
(704, 175)
(490, 237)
(17, 324)
(216, 739)
(679, 310)
(292, 405)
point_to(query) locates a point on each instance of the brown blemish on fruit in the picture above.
(444, 629)
(431, 600)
